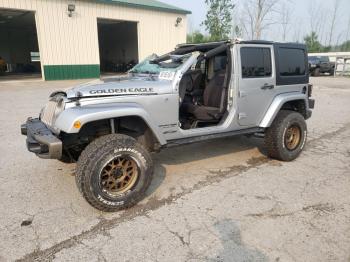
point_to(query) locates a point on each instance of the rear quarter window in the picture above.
(292, 62)
(292, 66)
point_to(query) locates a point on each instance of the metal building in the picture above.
(72, 39)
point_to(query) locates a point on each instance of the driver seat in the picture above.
(210, 110)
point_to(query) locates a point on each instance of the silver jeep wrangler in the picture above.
(194, 93)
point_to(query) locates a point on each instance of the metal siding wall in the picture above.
(74, 41)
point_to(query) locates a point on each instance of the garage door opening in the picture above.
(118, 45)
(19, 49)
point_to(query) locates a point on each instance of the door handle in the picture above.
(267, 86)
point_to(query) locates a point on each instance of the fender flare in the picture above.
(90, 113)
(277, 104)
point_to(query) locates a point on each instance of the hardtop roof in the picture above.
(215, 44)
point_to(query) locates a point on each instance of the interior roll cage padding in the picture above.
(224, 96)
(208, 46)
(181, 51)
(209, 51)
(213, 52)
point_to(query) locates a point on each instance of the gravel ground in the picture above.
(221, 200)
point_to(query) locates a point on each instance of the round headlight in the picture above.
(60, 104)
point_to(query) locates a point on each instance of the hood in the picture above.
(121, 87)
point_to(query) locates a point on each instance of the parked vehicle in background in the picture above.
(320, 64)
(194, 93)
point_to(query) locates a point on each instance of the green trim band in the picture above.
(148, 4)
(62, 72)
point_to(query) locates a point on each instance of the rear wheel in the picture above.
(114, 172)
(286, 137)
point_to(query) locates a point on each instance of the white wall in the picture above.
(64, 40)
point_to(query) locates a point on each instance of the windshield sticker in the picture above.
(167, 75)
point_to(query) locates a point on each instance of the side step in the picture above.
(195, 139)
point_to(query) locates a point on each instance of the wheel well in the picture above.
(136, 127)
(297, 106)
(133, 126)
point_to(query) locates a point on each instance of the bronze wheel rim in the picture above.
(292, 137)
(119, 175)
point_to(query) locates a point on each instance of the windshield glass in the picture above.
(313, 58)
(147, 67)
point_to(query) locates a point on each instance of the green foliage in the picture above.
(312, 43)
(345, 47)
(218, 19)
(238, 32)
(197, 37)
(326, 48)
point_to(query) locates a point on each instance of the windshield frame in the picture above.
(146, 67)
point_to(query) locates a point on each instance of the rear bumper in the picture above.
(40, 140)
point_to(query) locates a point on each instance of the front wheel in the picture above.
(286, 137)
(317, 72)
(114, 172)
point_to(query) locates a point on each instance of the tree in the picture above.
(317, 17)
(285, 20)
(218, 19)
(312, 43)
(197, 37)
(297, 33)
(334, 16)
(259, 12)
(237, 32)
(236, 28)
(347, 39)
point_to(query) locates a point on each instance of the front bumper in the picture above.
(40, 140)
(312, 67)
(311, 103)
(311, 106)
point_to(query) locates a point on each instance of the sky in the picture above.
(300, 23)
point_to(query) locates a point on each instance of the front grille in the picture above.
(48, 113)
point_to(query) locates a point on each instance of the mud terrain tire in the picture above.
(286, 137)
(101, 164)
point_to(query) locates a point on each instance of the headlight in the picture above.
(59, 106)
(313, 65)
(52, 110)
